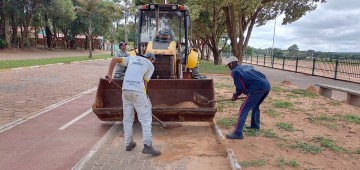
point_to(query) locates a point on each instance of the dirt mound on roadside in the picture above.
(286, 82)
(312, 89)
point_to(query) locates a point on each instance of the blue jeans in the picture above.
(252, 102)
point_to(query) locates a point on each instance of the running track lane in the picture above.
(40, 144)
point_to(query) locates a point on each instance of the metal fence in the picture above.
(338, 69)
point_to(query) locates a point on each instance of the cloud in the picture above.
(333, 26)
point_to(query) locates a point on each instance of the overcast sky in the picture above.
(332, 27)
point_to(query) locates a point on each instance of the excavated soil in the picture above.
(312, 89)
(286, 82)
(188, 104)
(312, 117)
(193, 143)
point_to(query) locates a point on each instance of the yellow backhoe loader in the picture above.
(164, 30)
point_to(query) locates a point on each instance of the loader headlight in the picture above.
(174, 7)
(152, 6)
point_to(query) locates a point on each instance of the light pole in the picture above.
(272, 51)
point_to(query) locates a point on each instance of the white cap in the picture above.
(230, 60)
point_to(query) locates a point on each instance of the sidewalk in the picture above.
(192, 146)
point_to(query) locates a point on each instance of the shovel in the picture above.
(203, 101)
(166, 126)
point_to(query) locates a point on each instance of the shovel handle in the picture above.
(211, 101)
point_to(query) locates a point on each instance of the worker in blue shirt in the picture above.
(255, 86)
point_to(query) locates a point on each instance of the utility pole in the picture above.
(272, 51)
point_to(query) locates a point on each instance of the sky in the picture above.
(333, 27)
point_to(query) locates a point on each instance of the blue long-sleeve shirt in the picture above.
(248, 80)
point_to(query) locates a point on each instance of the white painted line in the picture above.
(80, 165)
(75, 120)
(42, 111)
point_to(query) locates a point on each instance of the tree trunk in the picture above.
(202, 46)
(112, 49)
(217, 57)
(90, 37)
(54, 40)
(21, 43)
(208, 53)
(72, 43)
(48, 33)
(86, 41)
(125, 31)
(7, 31)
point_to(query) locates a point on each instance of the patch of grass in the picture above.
(328, 121)
(224, 85)
(227, 122)
(283, 104)
(285, 126)
(323, 118)
(277, 89)
(272, 112)
(269, 133)
(351, 118)
(357, 150)
(252, 132)
(328, 143)
(210, 68)
(303, 93)
(257, 163)
(7, 64)
(306, 148)
(292, 96)
(282, 162)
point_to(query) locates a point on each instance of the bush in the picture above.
(2, 44)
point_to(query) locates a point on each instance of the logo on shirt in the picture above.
(132, 82)
(137, 63)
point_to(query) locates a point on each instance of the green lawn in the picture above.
(206, 67)
(7, 64)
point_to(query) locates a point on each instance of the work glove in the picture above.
(234, 97)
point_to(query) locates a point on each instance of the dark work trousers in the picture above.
(252, 102)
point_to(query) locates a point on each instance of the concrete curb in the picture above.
(230, 153)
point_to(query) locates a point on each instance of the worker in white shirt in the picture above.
(138, 73)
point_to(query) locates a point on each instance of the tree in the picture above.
(62, 14)
(88, 8)
(5, 21)
(242, 15)
(293, 50)
(208, 24)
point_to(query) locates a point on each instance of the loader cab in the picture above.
(153, 18)
(163, 29)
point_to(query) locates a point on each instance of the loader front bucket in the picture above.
(172, 100)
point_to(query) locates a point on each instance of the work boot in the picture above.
(131, 146)
(234, 136)
(150, 150)
(249, 127)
